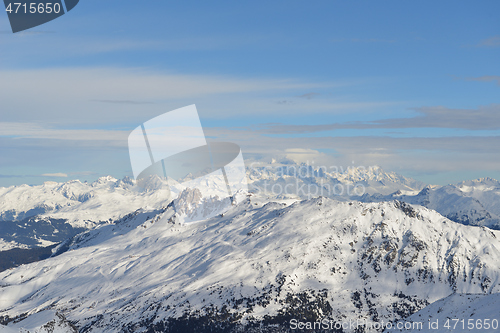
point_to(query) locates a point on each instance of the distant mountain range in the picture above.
(51, 213)
(304, 181)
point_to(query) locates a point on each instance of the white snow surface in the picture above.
(366, 257)
(456, 312)
(82, 204)
(106, 199)
(485, 190)
(473, 202)
(42, 322)
(4, 245)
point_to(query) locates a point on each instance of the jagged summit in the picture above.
(104, 180)
(472, 202)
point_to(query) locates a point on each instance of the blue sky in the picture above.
(411, 86)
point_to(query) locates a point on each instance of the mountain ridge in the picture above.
(259, 264)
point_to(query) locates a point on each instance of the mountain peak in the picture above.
(104, 180)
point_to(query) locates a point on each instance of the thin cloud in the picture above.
(409, 155)
(18, 131)
(104, 45)
(485, 78)
(490, 42)
(258, 141)
(83, 173)
(58, 175)
(34, 33)
(310, 95)
(26, 33)
(111, 101)
(482, 118)
(363, 40)
(100, 96)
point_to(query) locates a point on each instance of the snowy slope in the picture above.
(472, 202)
(53, 212)
(82, 203)
(45, 322)
(485, 190)
(459, 313)
(257, 264)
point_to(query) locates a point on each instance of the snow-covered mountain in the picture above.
(85, 204)
(53, 212)
(48, 214)
(81, 204)
(472, 202)
(305, 181)
(485, 190)
(255, 268)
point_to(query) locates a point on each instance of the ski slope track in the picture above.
(255, 268)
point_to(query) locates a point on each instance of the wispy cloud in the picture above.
(101, 44)
(113, 83)
(482, 118)
(285, 102)
(121, 101)
(307, 96)
(99, 95)
(310, 95)
(414, 155)
(83, 173)
(363, 40)
(57, 175)
(17, 130)
(408, 155)
(485, 78)
(490, 42)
